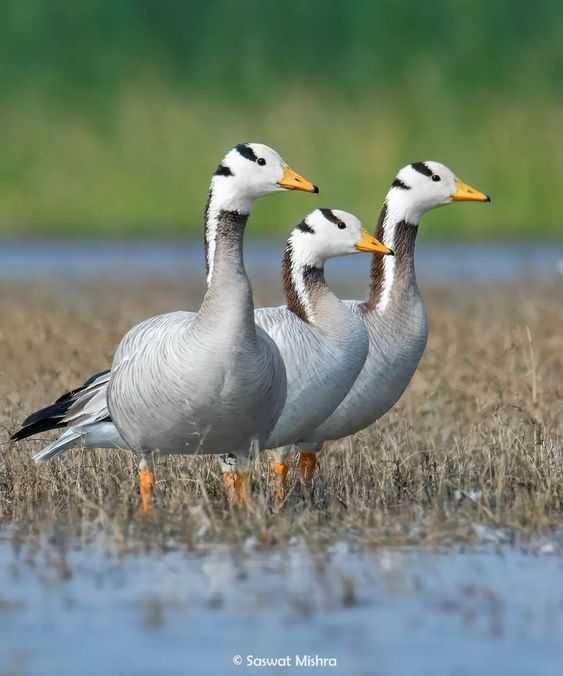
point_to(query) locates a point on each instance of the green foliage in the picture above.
(255, 48)
(113, 115)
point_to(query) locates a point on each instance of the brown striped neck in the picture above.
(303, 285)
(392, 275)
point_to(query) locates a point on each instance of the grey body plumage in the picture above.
(194, 382)
(394, 315)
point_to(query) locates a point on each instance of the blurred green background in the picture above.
(114, 114)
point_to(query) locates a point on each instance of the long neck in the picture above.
(228, 287)
(227, 247)
(303, 284)
(225, 216)
(393, 276)
(307, 293)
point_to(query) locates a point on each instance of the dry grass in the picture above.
(476, 438)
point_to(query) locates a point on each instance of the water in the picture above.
(40, 260)
(490, 610)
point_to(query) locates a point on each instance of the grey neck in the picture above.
(393, 276)
(228, 287)
(229, 235)
(226, 213)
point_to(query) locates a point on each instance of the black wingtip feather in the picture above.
(56, 410)
(51, 417)
(36, 428)
(48, 418)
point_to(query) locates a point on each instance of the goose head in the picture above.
(422, 186)
(326, 233)
(253, 170)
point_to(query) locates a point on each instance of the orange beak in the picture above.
(369, 244)
(291, 180)
(465, 193)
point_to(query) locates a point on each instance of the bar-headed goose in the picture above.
(323, 343)
(187, 382)
(394, 314)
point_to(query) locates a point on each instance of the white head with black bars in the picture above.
(326, 233)
(416, 189)
(422, 186)
(323, 234)
(247, 172)
(253, 170)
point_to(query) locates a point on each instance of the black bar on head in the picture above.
(331, 216)
(421, 168)
(222, 170)
(397, 183)
(305, 227)
(247, 152)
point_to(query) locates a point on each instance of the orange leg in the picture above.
(307, 465)
(279, 470)
(146, 485)
(237, 487)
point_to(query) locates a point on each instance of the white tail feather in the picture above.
(97, 435)
(69, 439)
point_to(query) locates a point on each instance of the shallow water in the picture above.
(490, 610)
(38, 260)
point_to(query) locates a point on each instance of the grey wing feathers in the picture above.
(82, 406)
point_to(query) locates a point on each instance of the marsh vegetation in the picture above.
(475, 440)
(420, 543)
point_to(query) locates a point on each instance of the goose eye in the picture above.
(341, 226)
(261, 161)
(436, 178)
